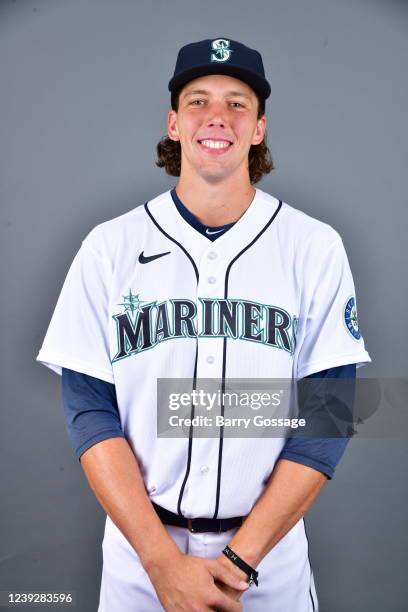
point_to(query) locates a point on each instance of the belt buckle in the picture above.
(192, 530)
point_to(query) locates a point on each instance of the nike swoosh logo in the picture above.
(209, 232)
(143, 259)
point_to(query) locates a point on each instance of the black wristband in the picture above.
(251, 573)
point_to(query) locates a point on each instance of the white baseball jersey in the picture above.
(148, 297)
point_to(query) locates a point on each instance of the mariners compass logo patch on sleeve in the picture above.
(350, 318)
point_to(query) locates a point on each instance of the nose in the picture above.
(216, 116)
(216, 122)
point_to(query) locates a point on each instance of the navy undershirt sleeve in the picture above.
(92, 415)
(323, 454)
(90, 409)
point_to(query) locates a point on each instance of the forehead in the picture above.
(218, 84)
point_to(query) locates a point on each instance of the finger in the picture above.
(224, 603)
(227, 576)
(233, 593)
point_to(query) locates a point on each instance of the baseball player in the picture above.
(213, 279)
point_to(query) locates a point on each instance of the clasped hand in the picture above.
(189, 583)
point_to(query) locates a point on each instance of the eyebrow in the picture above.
(205, 92)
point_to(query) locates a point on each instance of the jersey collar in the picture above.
(230, 244)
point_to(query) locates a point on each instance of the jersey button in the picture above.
(210, 359)
(204, 469)
(212, 280)
(212, 255)
(152, 489)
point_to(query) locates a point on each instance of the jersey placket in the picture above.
(204, 465)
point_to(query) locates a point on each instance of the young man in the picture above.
(213, 279)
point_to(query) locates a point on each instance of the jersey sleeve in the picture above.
(77, 337)
(328, 333)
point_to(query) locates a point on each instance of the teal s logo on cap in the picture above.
(221, 48)
(219, 56)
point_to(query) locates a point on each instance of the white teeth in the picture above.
(215, 144)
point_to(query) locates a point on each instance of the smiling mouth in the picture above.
(215, 145)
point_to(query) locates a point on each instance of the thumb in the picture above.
(227, 576)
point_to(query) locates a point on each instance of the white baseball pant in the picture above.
(286, 582)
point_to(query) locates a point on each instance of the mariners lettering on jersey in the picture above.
(222, 50)
(143, 324)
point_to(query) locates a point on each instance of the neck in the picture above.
(215, 204)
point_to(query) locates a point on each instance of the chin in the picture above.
(213, 177)
(214, 172)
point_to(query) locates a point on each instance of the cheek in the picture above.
(243, 129)
(189, 127)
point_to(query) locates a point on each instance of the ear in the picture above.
(172, 128)
(259, 131)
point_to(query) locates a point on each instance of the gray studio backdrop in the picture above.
(83, 102)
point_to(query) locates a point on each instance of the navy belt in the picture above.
(198, 525)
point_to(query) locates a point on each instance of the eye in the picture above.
(238, 104)
(193, 102)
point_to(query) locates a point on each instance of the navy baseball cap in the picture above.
(220, 56)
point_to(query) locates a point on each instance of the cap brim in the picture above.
(258, 84)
